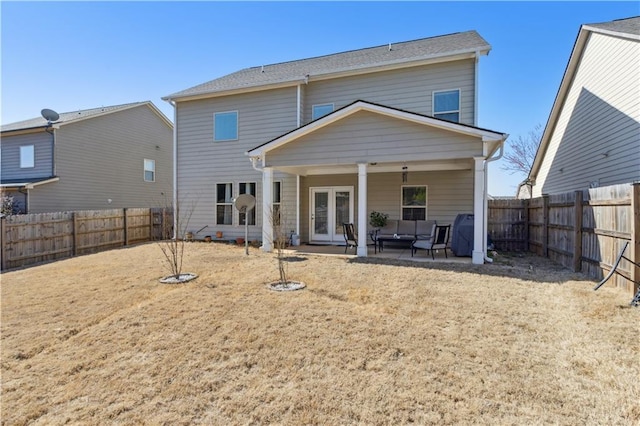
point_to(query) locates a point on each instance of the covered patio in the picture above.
(397, 253)
(372, 156)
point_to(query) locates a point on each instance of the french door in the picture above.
(330, 208)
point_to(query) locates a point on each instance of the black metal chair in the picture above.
(439, 240)
(350, 237)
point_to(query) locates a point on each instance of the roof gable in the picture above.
(351, 62)
(360, 105)
(627, 28)
(75, 116)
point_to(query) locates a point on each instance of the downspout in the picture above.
(175, 168)
(486, 202)
(53, 148)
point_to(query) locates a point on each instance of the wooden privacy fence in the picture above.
(582, 230)
(33, 238)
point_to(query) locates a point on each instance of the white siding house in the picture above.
(327, 139)
(102, 158)
(592, 137)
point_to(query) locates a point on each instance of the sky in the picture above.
(68, 56)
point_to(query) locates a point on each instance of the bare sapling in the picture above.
(280, 239)
(173, 240)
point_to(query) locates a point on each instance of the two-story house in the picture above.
(592, 136)
(102, 158)
(327, 140)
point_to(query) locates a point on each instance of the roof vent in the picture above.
(262, 69)
(389, 47)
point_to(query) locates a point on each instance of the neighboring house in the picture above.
(592, 137)
(109, 157)
(329, 139)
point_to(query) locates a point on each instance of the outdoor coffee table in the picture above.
(402, 239)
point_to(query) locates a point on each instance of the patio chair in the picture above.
(350, 236)
(439, 240)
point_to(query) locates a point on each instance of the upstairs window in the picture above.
(414, 202)
(250, 216)
(27, 157)
(225, 126)
(446, 105)
(149, 170)
(321, 110)
(224, 204)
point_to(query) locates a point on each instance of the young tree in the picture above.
(523, 151)
(282, 236)
(173, 247)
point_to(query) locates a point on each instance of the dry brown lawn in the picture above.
(98, 340)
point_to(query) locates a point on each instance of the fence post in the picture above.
(545, 226)
(74, 234)
(126, 231)
(3, 240)
(577, 233)
(151, 224)
(635, 235)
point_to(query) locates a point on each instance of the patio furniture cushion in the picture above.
(389, 229)
(406, 228)
(424, 229)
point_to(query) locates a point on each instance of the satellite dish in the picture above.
(49, 115)
(244, 202)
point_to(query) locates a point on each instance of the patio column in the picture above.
(477, 256)
(267, 202)
(362, 210)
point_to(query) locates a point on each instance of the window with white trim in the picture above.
(414, 202)
(446, 105)
(247, 188)
(321, 110)
(27, 156)
(149, 170)
(277, 197)
(224, 204)
(225, 126)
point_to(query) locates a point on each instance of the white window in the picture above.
(446, 105)
(414, 202)
(247, 188)
(321, 110)
(277, 197)
(27, 156)
(225, 126)
(224, 204)
(149, 170)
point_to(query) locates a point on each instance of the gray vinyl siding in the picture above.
(202, 163)
(597, 136)
(365, 136)
(101, 158)
(10, 152)
(449, 193)
(409, 88)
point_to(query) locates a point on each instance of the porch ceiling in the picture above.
(387, 167)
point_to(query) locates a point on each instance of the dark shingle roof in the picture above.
(626, 26)
(400, 53)
(66, 117)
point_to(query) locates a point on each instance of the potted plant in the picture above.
(378, 220)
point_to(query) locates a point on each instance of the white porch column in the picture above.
(477, 256)
(362, 210)
(267, 211)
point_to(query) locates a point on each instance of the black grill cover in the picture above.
(462, 237)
